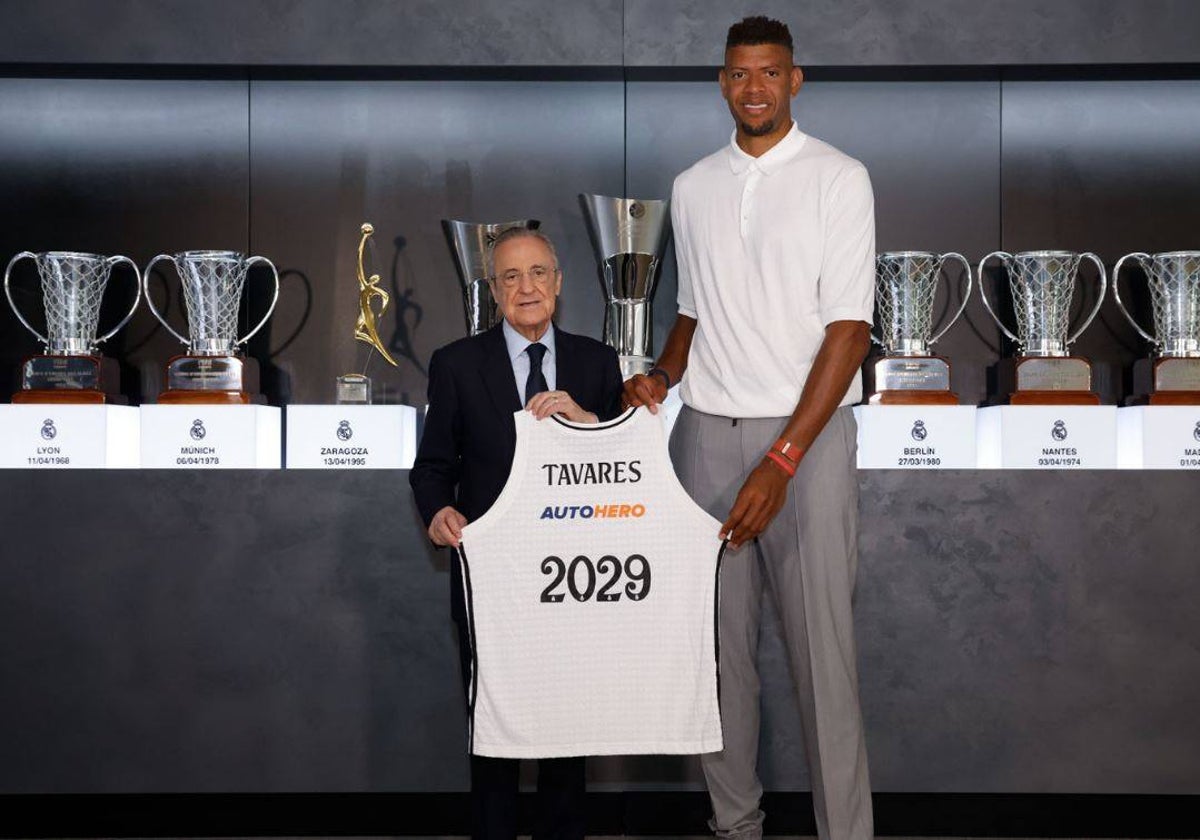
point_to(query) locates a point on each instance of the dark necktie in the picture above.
(536, 383)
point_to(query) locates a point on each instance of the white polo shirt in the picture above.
(770, 251)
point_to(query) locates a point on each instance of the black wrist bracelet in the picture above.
(657, 371)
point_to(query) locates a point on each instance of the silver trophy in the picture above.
(906, 284)
(73, 287)
(629, 235)
(1174, 281)
(470, 244)
(212, 291)
(1042, 285)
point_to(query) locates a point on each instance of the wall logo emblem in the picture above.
(50, 433)
(344, 432)
(919, 432)
(198, 431)
(637, 210)
(1059, 432)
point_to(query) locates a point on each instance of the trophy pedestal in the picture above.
(913, 380)
(66, 380)
(68, 436)
(1046, 380)
(1158, 438)
(912, 436)
(210, 380)
(1169, 381)
(353, 389)
(1048, 437)
(211, 436)
(364, 437)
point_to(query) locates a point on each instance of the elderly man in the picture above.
(475, 386)
(775, 239)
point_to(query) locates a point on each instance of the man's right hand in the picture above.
(446, 527)
(644, 390)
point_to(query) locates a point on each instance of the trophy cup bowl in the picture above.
(905, 287)
(470, 244)
(628, 235)
(1174, 281)
(213, 370)
(70, 370)
(1042, 285)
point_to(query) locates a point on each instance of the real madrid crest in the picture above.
(344, 432)
(1059, 432)
(919, 432)
(198, 431)
(49, 432)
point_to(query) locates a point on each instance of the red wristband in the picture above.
(786, 448)
(782, 463)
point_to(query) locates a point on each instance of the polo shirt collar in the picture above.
(772, 159)
(516, 343)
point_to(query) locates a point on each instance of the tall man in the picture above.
(475, 386)
(775, 241)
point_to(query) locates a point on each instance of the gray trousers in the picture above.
(807, 557)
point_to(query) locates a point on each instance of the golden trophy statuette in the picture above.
(355, 388)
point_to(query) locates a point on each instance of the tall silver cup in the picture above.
(73, 287)
(629, 236)
(212, 291)
(1042, 285)
(906, 284)
(1174, 281)
(470, 243)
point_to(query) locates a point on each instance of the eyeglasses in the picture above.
(539, 274)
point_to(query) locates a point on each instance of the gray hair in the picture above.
(517, 233)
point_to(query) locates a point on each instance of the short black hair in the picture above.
(759, 29)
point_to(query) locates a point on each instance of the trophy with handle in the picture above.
(355, 388)
(71, 370)
(629, 235)
(1172, 376)
(1042, 284)
(213, 371)
(906, 283)
(470, 243)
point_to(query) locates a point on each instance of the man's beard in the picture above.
(761, 130)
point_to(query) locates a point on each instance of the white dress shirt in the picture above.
(517, 345)
(770, 250)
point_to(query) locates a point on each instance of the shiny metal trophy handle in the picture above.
(150, 298)
(274, 299)
(1116, 287)
(966, 295)
(983, 294)
(8, 293)
(1099, 297)
(137, 295)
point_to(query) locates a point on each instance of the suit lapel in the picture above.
(566, 365)
(497, 373)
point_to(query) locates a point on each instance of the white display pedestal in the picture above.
(56, 436)
(1159, 437)
(211, 437)
(321, 437)
(916, 437)
(1048, 437)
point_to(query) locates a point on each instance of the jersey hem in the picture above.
(706, 745)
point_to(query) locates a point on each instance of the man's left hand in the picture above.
(757, 503)
(559, 402)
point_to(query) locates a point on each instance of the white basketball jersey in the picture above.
(591, 587)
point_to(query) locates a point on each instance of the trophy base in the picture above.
(1167, 381)
(1046, 380)
(914, 398)
(353, 389)
(81, 380)
(211, 380)
(60, 397)
(1054, 398)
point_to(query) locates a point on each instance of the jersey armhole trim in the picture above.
(473, 688)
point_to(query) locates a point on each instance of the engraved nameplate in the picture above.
(1177, 375)
(66, 373)
(205, 373)
(917, 373)
(1063, 374)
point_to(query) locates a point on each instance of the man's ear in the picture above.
(723, 82)
(797, 80)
